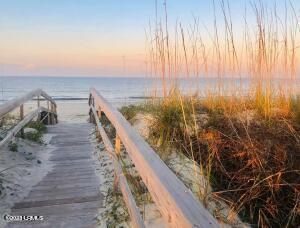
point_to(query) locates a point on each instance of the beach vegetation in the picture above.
(37, 125)
(37, 134)
(13, 147)
(243, 131)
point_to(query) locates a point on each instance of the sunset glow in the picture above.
(93, 38)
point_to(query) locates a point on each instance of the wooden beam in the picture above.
(175, 201)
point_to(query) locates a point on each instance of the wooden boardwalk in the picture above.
(68, 196)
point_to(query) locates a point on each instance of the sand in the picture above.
(21, 170)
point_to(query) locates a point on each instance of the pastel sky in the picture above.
(87, 37)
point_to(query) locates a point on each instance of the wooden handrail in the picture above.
(19, 102)
(14, 103)
(128, 197)
(175, 201)
(12, 133)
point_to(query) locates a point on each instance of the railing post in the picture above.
(22, 117)
(52, 114)
(55, 112)
(49, 114)
(91, 116)
(38, 101)
(39, 105)
(118, 151)
(118, 145)
(99, 117)
(99, 112)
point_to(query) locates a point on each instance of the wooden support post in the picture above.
(39, 105)
(55, 116)
(22, 117)
(52, 114)
(118, 151)
(118, 145)
(99, 117)
(91, 116)
(38, 101)
(49, 115)
(99, 112)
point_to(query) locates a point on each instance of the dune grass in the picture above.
(244, 134)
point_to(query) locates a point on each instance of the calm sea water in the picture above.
(121, 90)
(77, 88)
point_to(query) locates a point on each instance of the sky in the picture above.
(87, 37)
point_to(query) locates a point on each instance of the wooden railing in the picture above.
(174, 200)
(50, 112)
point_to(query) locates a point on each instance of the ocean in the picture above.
(76, 88)
(115, 89)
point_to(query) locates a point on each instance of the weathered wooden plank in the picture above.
(177, 204)
(63, 209)
(49, 202)
(64, 193)
(127, 195)
(68, 181)
(74, 171)
(62, 186)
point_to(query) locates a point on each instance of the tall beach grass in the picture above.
(244, 130)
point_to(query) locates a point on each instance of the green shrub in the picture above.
(38, 135)
(39, 126)
(12, 146)
(34, 136)
(130, 111)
